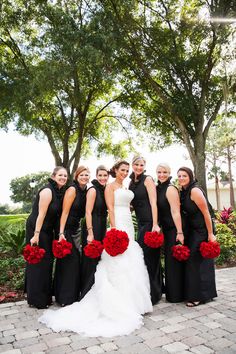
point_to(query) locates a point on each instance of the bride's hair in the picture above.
(112, 171)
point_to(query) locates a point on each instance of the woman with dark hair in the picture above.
(121, 292)
(145, 207)
(170, 221)
(41, 226)
(199, 272)
(67, 272)
(96, 222)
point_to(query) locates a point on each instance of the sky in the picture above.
(24, 155)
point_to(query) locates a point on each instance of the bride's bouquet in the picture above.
(115, 242)
(153, 239)
(93, 249)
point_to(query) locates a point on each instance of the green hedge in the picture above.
(227, 241)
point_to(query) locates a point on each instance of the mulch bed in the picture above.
(7, 295)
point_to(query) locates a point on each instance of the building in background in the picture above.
(224, 194)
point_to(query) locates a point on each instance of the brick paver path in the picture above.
(171, 328)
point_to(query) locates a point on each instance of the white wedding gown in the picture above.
(120, 294)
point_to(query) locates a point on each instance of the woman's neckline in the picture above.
(122, 188)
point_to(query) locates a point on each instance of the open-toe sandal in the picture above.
(193, 303)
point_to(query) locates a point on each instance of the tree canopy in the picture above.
(59, 76)
(66, 65)
(171, 55)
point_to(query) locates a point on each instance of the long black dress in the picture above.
(67, 271)
(174, 270)
(199, 272)
(38, 277)
(143, 213)
(99, 223)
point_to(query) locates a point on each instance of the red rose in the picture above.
(93, 249)
(181, 252)
(210, 249)
(61, 249)
(115, 242)
(33, 254)
(153, 239)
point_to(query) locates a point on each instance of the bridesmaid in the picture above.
(170, 220)
(40, 230)
(145, 207)
(199, 272)
(67, 272)
(96, 221)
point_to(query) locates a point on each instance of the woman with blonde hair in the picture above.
(67, 272)
(145, 207)
(170, 221)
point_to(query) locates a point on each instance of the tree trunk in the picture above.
(199, 170)
(231, 187)
(198, 158)
(217, 190)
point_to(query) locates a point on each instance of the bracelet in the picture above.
(37, 232)
(180, 233)
(61, 233)
(89, 228)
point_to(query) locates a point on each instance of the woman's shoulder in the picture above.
(172, 187)
(148, 180)
(47, 188)
(197, 194)
(110, 187)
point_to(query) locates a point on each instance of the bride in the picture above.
(121, 292)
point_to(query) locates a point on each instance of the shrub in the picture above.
(12, 272)
(232, 223)
(227, 244)
(225, 215)
(12, 242)
(135, 223)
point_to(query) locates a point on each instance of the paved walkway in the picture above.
(171, 328)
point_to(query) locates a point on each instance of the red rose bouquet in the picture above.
(61, 249)
(93, 249)
(153, 239)
(210, 249)
(181, 252)
(115, 242)
(33, 254)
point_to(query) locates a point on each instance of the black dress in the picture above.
(199, 272)
(38, 277)
(67, 271)
(143, 213)
(174, 270)
(99, 223)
